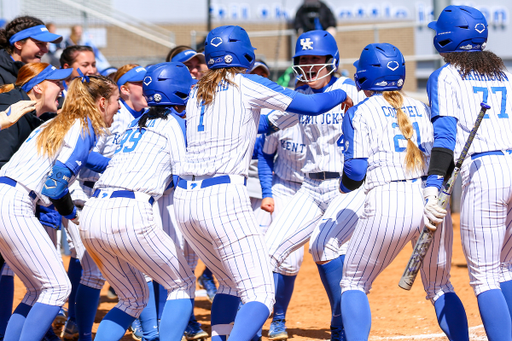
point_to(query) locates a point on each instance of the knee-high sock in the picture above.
(224, 311)
(495, 315)
(160, 298)
(16, 322)
(37, 322)
(249, 320)
(357, 317)
(74, 274)
(284, 288)
(87, 300)
(114, 325)
(7, 294)
(452, 318)
(175, 319)
(330, 274)
(506, 289)
(148, 318)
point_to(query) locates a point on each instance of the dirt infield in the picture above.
(396, 314)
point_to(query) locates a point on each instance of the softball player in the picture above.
(315, 60)
(83, 305)
(211, 201)
(469, 77)
(388, 140)
(52, 155)
(118, 226)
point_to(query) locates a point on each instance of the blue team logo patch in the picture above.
(393, 65)
(480, 27)
(193, 186)
(216, 41)
(147, 80)
(104, 195)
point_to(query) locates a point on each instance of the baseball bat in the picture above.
(427, 235)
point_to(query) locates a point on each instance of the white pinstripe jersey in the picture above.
(31, 169)
(322, 134)
(452, 95)
(107, 144)
(146, 158)
(291, 153)
(221, 136)
(374, 134)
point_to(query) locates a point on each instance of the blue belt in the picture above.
(423, 178)
(494, 152)
(89, 184)
(13, 183)
(122, 194)
(223, 179)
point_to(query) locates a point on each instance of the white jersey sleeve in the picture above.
(221, 135)
(146, 158)
(451, 94)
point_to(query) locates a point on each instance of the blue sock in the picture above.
(452, 317)
(249, 320)
(506, 289)
(284, 289)
(330, 274)
(74, 274)
(148, 318)
(87, 300)
(357, 316)
(16, 322)
(114, 325)
(175, 319)
(495, 315)
(38, 320)
(160, 299)
(208, 273)
(224, 311)
(7, 294)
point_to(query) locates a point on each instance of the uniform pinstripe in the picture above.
(486, 202)
(218, 220)
(121, 234)
(323, 138)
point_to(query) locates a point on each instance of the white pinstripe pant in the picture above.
(219, 224)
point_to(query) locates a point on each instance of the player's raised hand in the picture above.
(267, 204)
(347, 104)
(15, 112)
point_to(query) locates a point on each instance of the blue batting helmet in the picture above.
(460, 29)
(315, 43)
(381, 67)
(228, 46)
(167, 84)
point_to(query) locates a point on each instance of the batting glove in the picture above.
(433, 213)
(76, 219)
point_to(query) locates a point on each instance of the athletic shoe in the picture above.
(208, 284)
(70, 332)
(278, 330)
(59, 321)
(50, 336)
(338, 334)
(111, 293)
(136, 329)
(194, 331)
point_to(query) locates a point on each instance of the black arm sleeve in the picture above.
(441, 162)
(349, 183)
(64, 205)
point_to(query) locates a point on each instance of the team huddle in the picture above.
(147, 168)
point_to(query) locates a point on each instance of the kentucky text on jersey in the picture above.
(411, 111)
(475, 76)
(293, 146)
(326, 118)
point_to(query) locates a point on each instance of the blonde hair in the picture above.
(80, 103)
(207, 85)
(414, 157)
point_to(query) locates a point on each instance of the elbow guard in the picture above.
(441, 162)
(349, 185)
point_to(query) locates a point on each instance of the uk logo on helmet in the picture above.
(147, 80)
(307, 44)
(479, 27)
(216, 41)
(393, 65)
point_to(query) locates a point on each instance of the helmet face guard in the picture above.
(315, 43)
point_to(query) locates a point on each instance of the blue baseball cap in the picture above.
(39, 32)
(108, 71)
(136, 74)
(261, 65)
(49, 73)
(187, 55)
